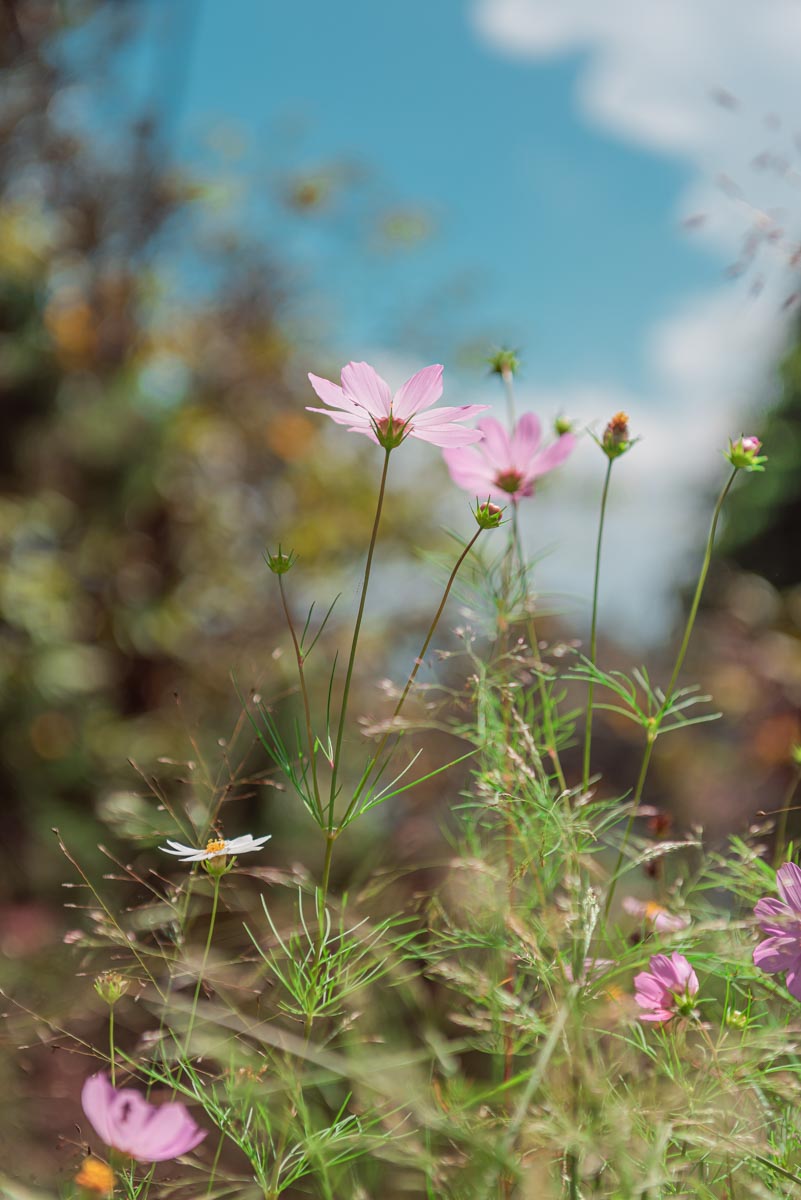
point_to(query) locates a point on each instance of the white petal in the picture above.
(178, 848)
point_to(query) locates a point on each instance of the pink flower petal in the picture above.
(495, 446)
(525, 440)
(776, 954)
(793, 979)
(788, 880)
(447, 435)
(356, 419)
(97, 1095)
(470, 471)
(364, 386)
(421, 391)
(767, 910)
(446, 415)
(552, 457)
(331, 394)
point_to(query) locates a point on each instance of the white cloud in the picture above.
(650, 77)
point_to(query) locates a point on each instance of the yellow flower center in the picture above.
(215, 846)
(653, 910)
(96, 1176)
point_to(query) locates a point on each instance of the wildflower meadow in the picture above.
(526, 1019)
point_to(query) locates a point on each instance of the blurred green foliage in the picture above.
(153, 443)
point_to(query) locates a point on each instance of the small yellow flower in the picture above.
(95, 1176)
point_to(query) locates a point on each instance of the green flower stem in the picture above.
(509, 388)
(413, 675)
(710, 544)
(201, 973)
(585, 779)
(547, 719)
(655, 721)
(781, 828)
(215, 1162)
(304, 691)
(351, 660)
(111, 1055)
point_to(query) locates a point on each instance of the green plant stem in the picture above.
(509, 388)
(111, 1055)
(413, 675)
(781, 828)
(304, 691)
(635, 804)
(585, 778)
(215, 1163)
(655, 721)
(547, 721)
(354, 643)
(207, 949)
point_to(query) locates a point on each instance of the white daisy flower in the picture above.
(216, 848)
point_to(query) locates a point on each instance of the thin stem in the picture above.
(304, 693)
(585, 779)
(201, 973)
(781, 828)
(710, 543)
(418, 662)
(349, 674)
(635, 804)
(655, 721)
(215, 1163)
(509, 388)
(547, 720)
(111, 1055)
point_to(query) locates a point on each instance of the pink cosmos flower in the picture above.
(655, 915)
(781, 921)
(667, 989)
(366, 405)
(127, 1122)
(506, 466)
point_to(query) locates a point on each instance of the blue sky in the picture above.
(558, 147)
(568, 237)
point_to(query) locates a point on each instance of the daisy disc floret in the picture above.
(125, 1121)
(365, 404)
(216, 848)
(506, 466)
(780, 952)
(667, 989)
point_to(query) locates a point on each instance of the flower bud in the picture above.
(389, 431)
(504, 363)
(736, 1019)
(488, 515)
(279, 563)
(744, 454)
(563, 425)
(616, 439)
(111, 986)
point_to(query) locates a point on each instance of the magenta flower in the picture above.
(505, 465)
(667, 989)
(128, 1123)
(365, 404)
(781, 921)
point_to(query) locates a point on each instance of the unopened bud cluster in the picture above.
(111, 986)
(488, 516)
(744, 454)
(279, 563)
(616, 438)
(504, 363)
